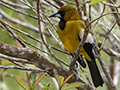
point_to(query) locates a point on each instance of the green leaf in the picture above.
(67, 79)
(33, 76)
(46, 88)
(60, 80)
(29, 81)
(21, 82)
(95, 1)
(38, 80)
(55, 73)
(46, 84)
(73, 85)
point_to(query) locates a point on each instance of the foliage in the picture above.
(61, 82)
(95, 1)
(31, 80)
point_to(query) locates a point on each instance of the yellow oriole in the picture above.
(70, 30)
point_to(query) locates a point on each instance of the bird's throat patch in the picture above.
(62, 24)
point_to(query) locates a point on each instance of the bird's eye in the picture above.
(62, 13)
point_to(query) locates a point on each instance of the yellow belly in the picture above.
(70, 42)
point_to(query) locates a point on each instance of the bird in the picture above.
(71, 30)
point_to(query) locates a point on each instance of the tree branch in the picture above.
(40, 61)
(109, 51)
(107, 74)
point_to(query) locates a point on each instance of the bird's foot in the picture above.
(71, 67)
(73, 53)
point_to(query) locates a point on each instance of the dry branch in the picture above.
(109, 51)
(39, 61)
(15, 4)
(16, 21)
(117, 16)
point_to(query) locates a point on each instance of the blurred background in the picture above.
(21, 17)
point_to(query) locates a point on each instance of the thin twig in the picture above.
(77, 53)
(70, 2)
(90, 15)
(19, 39)
(117, 73)
(79, 9)
(109, 51)
(34, 46)
(106, 36)
(21, 68)
(102, 16)
(52, 4)
(41, 35)
(111, 5)
(80, 46)
(107, 74)
(27, 25)
(14, 59)
(16, 36)
(12, 33)
(15, 4)
(106, 29)
(59, 2)
(17, 10)
(99, 18)
(116, 15)
(112, 66)
(34, 9)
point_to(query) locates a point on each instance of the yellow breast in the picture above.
(69, 36)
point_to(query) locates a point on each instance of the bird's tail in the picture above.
(95, 74)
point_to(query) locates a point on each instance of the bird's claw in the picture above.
(71, 67)
(73, 53)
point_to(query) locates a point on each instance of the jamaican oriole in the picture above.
(70, 30)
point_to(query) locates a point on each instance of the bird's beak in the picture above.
(55, 15)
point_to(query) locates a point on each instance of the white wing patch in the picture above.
(89, 37)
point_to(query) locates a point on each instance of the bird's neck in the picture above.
(62, 24)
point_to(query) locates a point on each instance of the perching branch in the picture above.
(21, 68)
(39, 61)
(77, 52)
